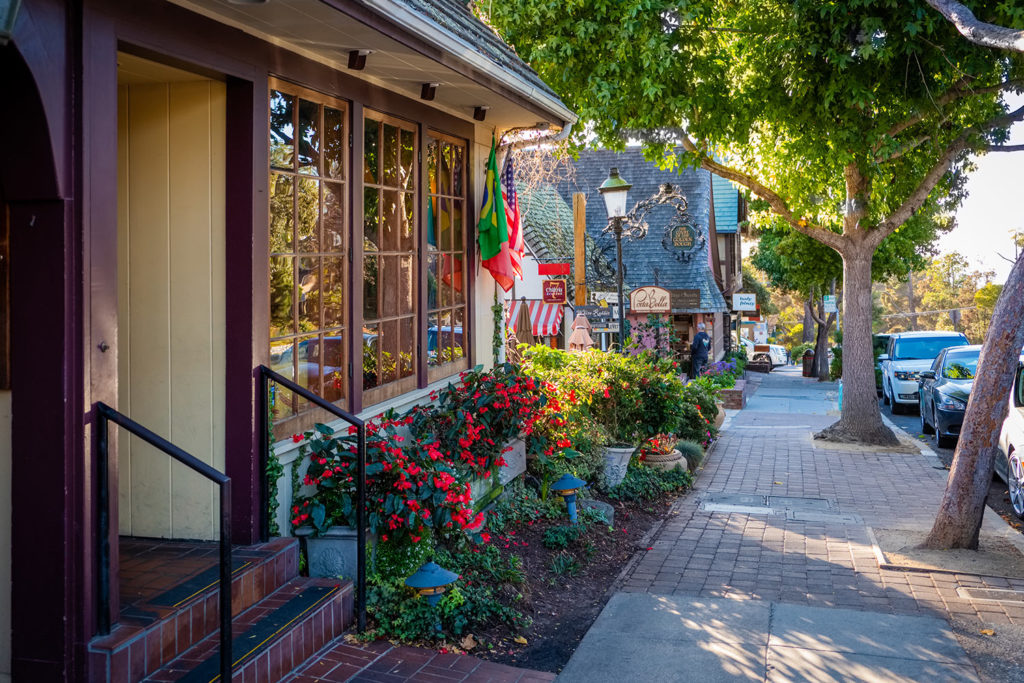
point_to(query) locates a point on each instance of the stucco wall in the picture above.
(5, 535)
(171, 330)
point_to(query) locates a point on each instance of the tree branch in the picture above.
(959, 91)
(917, 198)
(778, 204)
(977, 31)
(903, 149)
(1005, 148)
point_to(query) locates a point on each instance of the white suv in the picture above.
(907, 355)
(778, 355)
(1010, 460)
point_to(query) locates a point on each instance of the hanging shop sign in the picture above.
(554, 291)
(650, 299)
(553, 268)
(595, 314)
(604, 298)
(683, 237)
(744, 301)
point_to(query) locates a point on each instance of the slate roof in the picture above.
(727, 205)
(455, 17)
(547, 229)
(643, 256)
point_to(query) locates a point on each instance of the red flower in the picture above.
(606, 394)
(296, 438)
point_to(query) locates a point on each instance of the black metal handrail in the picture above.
(106, 414)
(266, 375)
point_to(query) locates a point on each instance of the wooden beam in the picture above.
(579, 229)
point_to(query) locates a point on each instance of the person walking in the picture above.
(699, 350)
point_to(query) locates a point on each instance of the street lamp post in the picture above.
(614, 191)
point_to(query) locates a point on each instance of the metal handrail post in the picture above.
(225, 582)
(103, 523)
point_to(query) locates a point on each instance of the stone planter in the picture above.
(720, 418)
(616, 460)
(335, 553)
(666, 461)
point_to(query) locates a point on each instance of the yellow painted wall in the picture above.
(5, 535)
(171, 331)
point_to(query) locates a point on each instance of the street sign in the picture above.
(649, 300)
(744, 301)
(554, 291)
(830, 303)
(606, 326)
(609, 298)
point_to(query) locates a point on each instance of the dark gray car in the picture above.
(944, 390)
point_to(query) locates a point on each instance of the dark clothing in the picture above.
(699, 350)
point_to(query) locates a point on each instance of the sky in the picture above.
(994, 206)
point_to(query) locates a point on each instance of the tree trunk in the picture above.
(808, 322)
(911, 308)
(860, 420)
(959, 518)
(821, 350)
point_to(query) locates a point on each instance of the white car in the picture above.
(778, 355)
(1009, 465)
(907, 355)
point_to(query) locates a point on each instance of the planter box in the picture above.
(736, 398)
(335, 553)
(482, 489)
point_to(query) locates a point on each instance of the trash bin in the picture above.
(808, 363)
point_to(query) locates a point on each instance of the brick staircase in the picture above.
(171, 633)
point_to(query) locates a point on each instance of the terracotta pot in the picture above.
(720, 418)
(616, 460)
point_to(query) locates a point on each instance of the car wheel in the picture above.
(940, 440)
(1015, 483)
(926, 428)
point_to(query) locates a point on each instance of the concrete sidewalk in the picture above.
(767, 571)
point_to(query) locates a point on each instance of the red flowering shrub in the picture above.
(411, 485)
(474, 420)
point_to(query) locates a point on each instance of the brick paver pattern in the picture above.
(771, 557)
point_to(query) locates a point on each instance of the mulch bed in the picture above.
(564, 607)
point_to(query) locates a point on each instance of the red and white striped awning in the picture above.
(545, 319)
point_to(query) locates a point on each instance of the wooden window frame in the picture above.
(301, 418)
(450, 368)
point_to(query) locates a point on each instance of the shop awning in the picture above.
(546, 319)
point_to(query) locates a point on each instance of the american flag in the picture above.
(515, 229)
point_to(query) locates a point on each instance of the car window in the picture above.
(1020, 387)
(924, 348)
(938, 363)
(961, 365)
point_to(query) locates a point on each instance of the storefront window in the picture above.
(389, 258)
(308, 243)
(446, 255)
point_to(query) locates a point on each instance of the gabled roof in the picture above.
(547, 229)
(644, 256)
(727, 205)
(466, 31)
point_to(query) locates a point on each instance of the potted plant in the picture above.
(413, 489)
(660, 452)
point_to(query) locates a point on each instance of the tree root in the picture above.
(869, 435)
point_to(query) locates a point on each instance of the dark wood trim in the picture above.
(355, 280)
(245, 196)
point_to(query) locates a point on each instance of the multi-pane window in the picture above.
(446, 255)
(308, 243)
(390, 269)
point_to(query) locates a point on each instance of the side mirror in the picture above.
(883, 357)
(927, 374)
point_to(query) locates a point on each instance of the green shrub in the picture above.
(797, 352)
(692, 451)
(644, 483)
(695, 425)
(564, 564)
(835, 368)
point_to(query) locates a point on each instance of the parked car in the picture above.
(778, 355)
(944, 389)
(1009, 465)
(907, 355)
(880, 342)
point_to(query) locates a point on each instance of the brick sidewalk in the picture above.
(821, 560)
(382, 662)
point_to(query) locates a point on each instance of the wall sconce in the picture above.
(480, 113)
(357, 59)
(428, 91)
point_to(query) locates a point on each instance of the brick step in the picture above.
(273, 637)
(157, 628)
